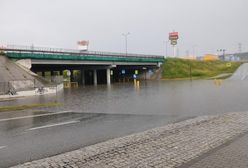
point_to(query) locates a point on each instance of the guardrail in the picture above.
(21, 48)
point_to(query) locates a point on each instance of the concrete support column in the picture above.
(61, 72)
(83, 76)
(71, 77)
(95, 76)
(108, 76)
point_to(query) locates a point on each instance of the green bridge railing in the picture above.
(84, 57)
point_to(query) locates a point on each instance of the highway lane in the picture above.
(26, 136)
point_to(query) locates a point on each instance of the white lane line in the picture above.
(32, 116)
(53, 125)
(1, 147)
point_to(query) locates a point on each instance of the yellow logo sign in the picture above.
(228, 64)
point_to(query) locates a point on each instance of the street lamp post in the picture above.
(125, 35)
(194, 50)
(222, 55)
(166, 47)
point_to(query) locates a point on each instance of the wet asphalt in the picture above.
(94, 114)
(29, 136)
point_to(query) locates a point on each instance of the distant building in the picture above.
(237, 57)
(232, 58)
(191, 57)
(210, 57)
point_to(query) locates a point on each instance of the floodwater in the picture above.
(174, 99)
(93, 114)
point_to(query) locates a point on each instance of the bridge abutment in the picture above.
(95, 76)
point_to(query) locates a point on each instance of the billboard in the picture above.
(83, 45)
(173, 36)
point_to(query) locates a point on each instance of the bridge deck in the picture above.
(21, 52)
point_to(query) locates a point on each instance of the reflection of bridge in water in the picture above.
(92, 67)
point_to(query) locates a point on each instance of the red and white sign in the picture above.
(173, 35)
(83, 45)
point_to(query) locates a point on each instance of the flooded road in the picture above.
(94, 114)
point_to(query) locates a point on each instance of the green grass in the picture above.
(174, 68)
(21, 107)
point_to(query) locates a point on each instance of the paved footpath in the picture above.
(233, 155)
(173, 145)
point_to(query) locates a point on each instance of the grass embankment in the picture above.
(21, 107)
(174, 68)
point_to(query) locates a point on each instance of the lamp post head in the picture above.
(126, 34)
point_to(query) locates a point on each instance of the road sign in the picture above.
(83, 45)
(173, 42)
(173, 35)
(123, 71)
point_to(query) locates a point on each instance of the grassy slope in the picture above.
(180, 68)
(21, 107)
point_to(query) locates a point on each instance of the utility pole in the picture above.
(240, 47)
(125, 35)
(194, 53)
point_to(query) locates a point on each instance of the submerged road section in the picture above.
(172, 145)
(32, 135)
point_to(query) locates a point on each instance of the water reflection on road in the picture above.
(94, 114)
(170, 98)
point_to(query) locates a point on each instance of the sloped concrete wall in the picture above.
(241, 73)
(16, 77)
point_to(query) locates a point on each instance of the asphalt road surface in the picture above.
(26, 136)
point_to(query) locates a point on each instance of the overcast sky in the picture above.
(206, 25)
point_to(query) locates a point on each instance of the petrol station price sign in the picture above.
(173, 37)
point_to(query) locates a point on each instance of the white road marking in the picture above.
(53, 125)
(1, 147)
(32, 116)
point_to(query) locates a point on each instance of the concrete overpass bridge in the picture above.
(93, 66)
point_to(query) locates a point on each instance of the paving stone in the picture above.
(172, 145)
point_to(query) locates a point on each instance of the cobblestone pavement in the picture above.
(234, 155)
(168, 146)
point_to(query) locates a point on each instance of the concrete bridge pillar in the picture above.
(61, 72)
(43, 73)
(83, 76)
(95, 76)
(108, 76)
(71, 77)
